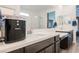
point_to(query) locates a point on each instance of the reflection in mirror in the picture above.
(51, 19)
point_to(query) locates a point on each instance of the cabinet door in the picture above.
(50, 49)
(58, 47)
(43, 51)
(21, 50)
(37, 47)
(71, 37)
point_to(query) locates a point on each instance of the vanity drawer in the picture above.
(39, 46)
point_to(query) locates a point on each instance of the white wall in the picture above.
(32, 19)
(44, 16)
(68, 12)
(15, 8)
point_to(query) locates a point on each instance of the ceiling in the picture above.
(35, 7)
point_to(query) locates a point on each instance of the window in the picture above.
(50, 19)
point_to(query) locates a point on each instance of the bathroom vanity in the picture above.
(39, 42)
(67, 41)
(49, 45)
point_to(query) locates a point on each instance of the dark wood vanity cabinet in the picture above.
(66, 42)
(40, 47)
(21, 50)
(46, 46)
(71, 37)
(50, 49)
(58, 49)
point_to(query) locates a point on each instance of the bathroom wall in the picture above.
(65, 12)
(38, 19)
(10, 9)
(33, 20)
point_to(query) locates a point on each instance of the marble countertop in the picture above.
(35, 37)
(30, 39)
(64, 28)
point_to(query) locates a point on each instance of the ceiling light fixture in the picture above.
(24, 14)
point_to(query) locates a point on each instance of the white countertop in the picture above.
(67, 29)
(30, 39)
(63, 29)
